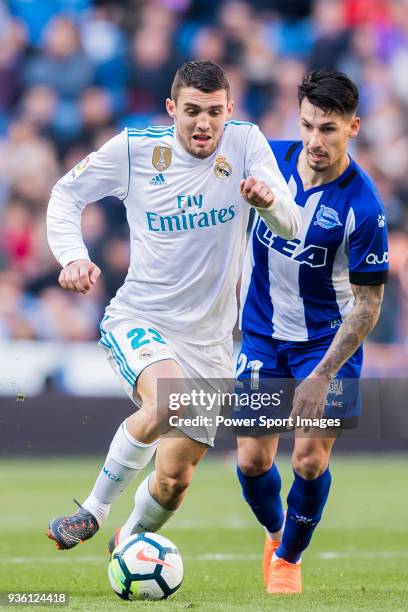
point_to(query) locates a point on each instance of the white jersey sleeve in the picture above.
(283, 217)
(103, 173)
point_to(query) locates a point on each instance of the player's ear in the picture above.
(354, 127)
(171, 107)
(230, 109)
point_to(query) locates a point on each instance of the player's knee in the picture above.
(254, 465)
(172, 488)
(253, 460)
(155, 417)
(309, 465)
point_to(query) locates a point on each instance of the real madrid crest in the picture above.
(222, 168)
(161, 158)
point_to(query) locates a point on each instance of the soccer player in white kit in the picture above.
(186, 189)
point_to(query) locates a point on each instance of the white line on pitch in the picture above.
(327, 556)
(385, 554)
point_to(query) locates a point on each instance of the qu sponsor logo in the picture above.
(373, 258)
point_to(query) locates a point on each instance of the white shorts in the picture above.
(133, 344)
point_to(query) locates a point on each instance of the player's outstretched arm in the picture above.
(265, 188)
(281, 217)
(79, 275)
(310, 395)
(257, 193)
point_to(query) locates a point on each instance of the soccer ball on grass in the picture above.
(145, 566)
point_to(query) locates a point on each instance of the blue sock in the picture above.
(306, 501)
(263, 495)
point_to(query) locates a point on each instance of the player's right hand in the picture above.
(79, 275)
(256, 193)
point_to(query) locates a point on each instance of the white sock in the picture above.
(276, 535)
(126, 457)
(148, 514)
(275, 556)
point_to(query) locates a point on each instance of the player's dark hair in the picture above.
(205, 75)
(329, 90)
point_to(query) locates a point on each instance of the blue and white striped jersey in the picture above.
(300, 289)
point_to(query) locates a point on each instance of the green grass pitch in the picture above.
(358, 558)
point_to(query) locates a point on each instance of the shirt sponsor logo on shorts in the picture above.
(222, 169)
(161, 158)
(335, 323)
(336, 386)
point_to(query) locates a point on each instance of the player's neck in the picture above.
(310, 178)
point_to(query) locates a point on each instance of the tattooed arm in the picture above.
(310, 395)
(354, 329)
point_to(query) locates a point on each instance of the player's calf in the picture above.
(170, 490)
(151, 511)
(162, 492)
(148, 514)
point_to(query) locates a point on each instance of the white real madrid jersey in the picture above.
(187, 223)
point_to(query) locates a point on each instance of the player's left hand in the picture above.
(310, 398)
(256, 193)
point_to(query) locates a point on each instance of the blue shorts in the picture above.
(277, 366)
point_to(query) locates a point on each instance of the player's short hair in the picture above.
(205, 75)
(329, 90)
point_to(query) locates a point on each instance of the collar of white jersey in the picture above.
(186, 157)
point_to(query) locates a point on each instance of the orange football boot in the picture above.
(284, 577)
(269, 548)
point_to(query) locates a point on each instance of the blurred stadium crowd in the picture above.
(74, 72)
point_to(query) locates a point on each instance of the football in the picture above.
(145, 566)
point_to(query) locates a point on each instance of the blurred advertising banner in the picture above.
(57, 424)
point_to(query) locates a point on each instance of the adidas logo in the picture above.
(159, 179)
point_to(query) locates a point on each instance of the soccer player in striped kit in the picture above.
(307, 304)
